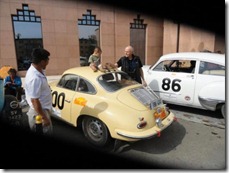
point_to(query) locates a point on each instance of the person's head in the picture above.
(40, 57)
(193, 63)
(12, 72)
(97, 51)
(129, 50)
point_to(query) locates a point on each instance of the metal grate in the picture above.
(145, 96)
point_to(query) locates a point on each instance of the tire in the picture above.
(11, 112)
(223, 110)
(95, 131)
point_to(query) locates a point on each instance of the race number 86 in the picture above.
(174, 85)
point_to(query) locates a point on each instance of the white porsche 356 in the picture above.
(193, 79)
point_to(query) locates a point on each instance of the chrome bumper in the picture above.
(148, 133)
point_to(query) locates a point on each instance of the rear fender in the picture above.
(212, 95)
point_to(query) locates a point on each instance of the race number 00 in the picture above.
(58, 100)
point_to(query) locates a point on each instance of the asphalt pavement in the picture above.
(186, 145)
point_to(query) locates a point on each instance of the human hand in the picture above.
(144, 83)
(46, 121)
(94, 68)
(8, 84)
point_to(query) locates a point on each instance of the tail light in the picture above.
(142, 124)
(159, 115)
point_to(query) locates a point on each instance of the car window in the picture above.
(68, 81)
(86, 87)
(161, 66)
(182, 66)
(115, 81)
(208, 68)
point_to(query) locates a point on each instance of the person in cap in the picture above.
(37, 91)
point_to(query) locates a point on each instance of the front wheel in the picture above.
(95, 131)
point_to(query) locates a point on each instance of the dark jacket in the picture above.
(131, 67)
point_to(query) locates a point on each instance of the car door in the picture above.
(63, 95)
(210, 82)
(173, 81)
(84, 100)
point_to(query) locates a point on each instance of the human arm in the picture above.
(7, 81)
(118, 63)
(93, 67)
(34, 91)
(141, 72)
(17, 81)
(142, 77)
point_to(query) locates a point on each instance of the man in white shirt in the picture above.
(37, 91)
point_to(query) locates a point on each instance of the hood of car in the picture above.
(136, 98)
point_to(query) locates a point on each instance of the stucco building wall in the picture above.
(190, 39)
(59, 20)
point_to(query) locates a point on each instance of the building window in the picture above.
(89, 34)
(27, 35)
(138, 37)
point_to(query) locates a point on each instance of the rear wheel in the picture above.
(95, 131)
(223, 110)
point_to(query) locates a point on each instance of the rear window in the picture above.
(208, 68)
(115, 81)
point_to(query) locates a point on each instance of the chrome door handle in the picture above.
(190, 76)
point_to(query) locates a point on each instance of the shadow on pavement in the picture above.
(26, 150)
(203, 112)
(159, 145)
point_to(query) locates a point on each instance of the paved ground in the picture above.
(187, 144)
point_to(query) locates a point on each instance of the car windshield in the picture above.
(115, 81)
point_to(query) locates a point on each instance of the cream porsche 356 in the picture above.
(109, 105)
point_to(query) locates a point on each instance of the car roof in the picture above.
(84, 71)
(203, 56)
